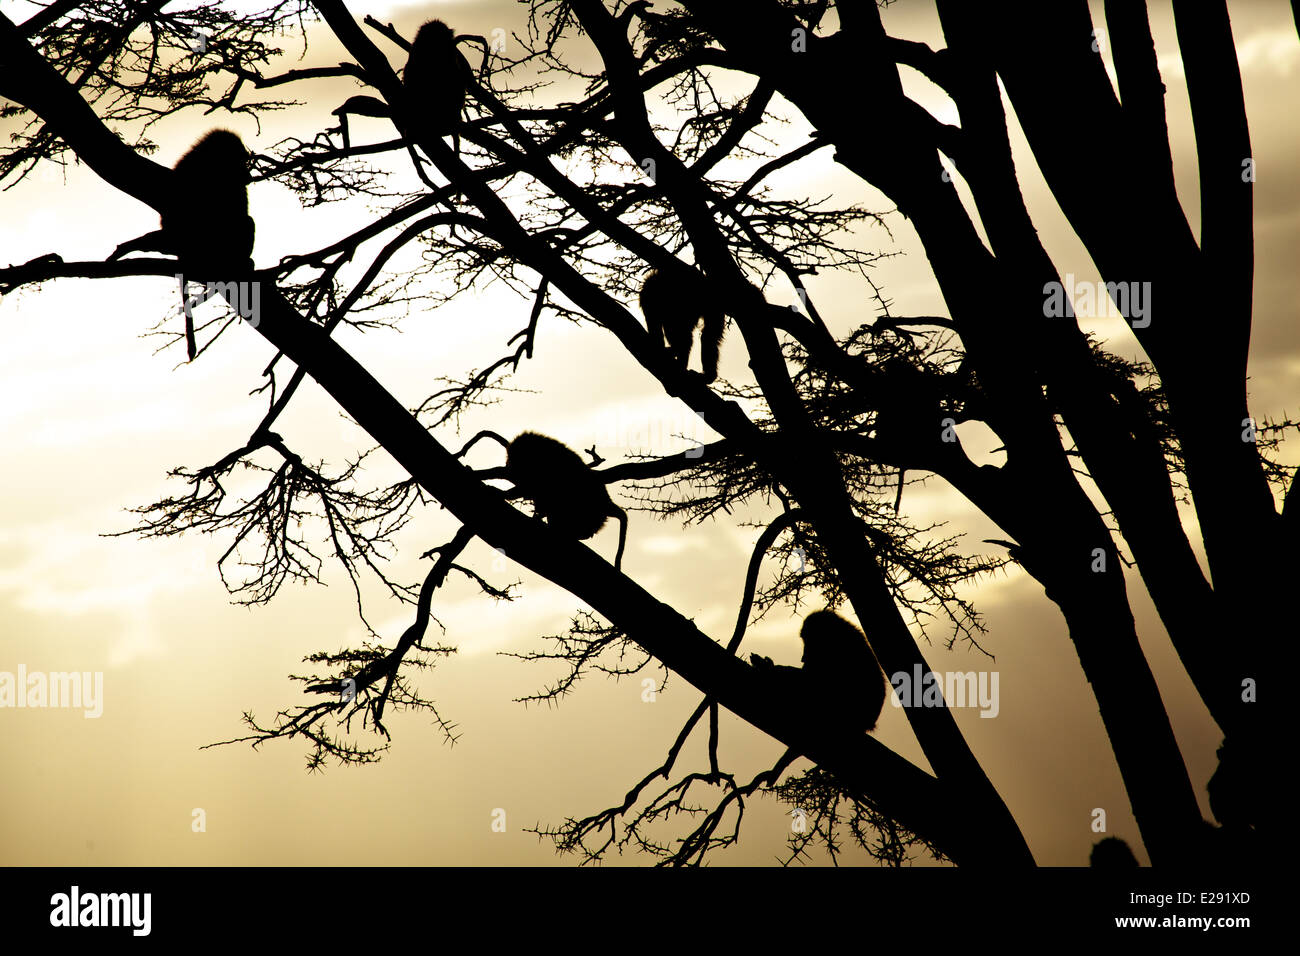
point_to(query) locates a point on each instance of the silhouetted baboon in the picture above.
(562, 487)
(673, 304)
(1112, 853)
(205, 221)
(1233, 789)
(840, 681)
(436, 77)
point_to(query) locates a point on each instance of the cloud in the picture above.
(1272, 52)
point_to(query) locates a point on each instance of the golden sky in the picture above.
(92, 417)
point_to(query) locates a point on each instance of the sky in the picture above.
(94, 412)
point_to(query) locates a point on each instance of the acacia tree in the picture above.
(574, 202)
